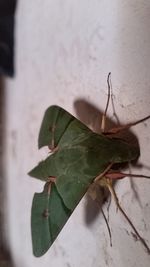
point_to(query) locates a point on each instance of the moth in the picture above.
(79, 158)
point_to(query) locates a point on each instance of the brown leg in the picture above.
(101, 175)
(117, 130)
(114, 195)
(120, 175)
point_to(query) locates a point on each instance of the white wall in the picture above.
(64, 51)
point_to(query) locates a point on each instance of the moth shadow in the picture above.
(91, 116)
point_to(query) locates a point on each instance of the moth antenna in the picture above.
(113, 106)
(103, 123)
(114, 195)
(109, 93)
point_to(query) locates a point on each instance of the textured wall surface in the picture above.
(64, 51)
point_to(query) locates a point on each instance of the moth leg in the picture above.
(120, 175)
(108, 207)
(108, 227)
(114, 195)
(101, 175)
(117, 130)
(94, 195)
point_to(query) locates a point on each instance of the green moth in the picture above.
(79, 158)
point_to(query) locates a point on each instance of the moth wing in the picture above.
(48, 216)
(55, 122)
(44, 169)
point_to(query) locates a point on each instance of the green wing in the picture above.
(81, 155)
(55, 123)
(48, 216)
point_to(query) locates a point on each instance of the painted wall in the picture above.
(64, 51)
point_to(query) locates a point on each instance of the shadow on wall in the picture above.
(92, 116)
(5, 258)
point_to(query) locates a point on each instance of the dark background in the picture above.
(7, 21)
(7, 12)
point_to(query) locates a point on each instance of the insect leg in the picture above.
(121, 175)
(117, 130)
(114, 195)
(98, 198)
(101, 175)
(108, 227)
